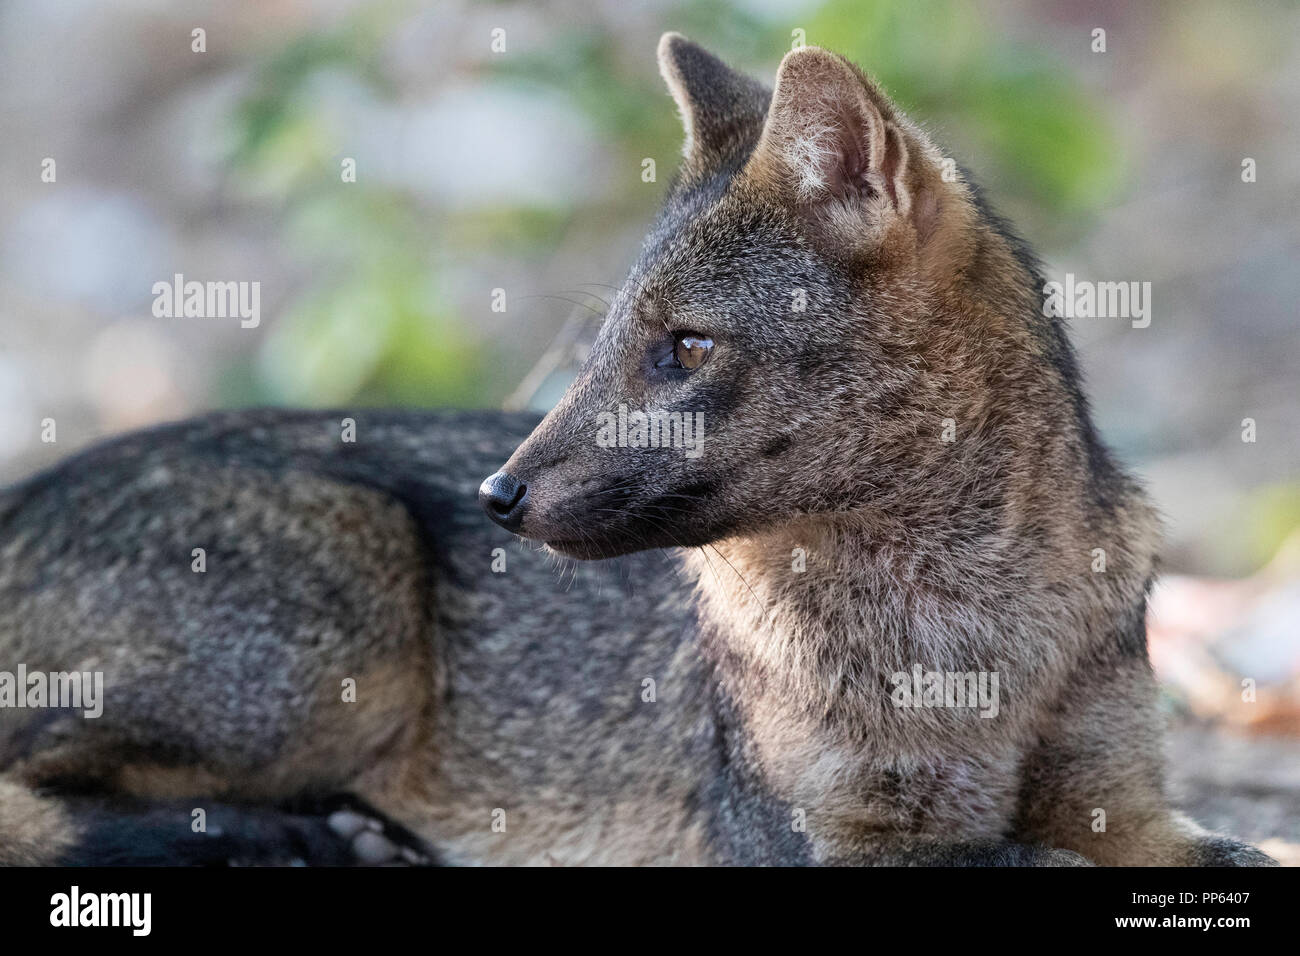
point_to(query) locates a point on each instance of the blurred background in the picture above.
(501, 146)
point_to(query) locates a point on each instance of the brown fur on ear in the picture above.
(721, 109)
(824, 136)
(834, 146)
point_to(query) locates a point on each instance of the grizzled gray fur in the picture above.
(689, 658)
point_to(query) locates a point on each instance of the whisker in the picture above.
(767, 612)
(561, 298)
(581, 291)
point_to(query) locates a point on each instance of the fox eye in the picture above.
(691, 349)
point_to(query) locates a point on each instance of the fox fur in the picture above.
(899, 471)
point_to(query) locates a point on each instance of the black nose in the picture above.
(502, 497)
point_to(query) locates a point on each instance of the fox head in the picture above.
(819, 295)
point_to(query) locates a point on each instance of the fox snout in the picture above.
(598, 503)
(505, 499)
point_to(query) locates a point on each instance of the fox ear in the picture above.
(722, 110)
(831, 137)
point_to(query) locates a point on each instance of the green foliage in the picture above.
(1273, 516)
(373, 319)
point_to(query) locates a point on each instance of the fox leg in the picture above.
(85, 799)
(1095, 782)
(1199, 847)
(298, 664)
(34, 830)
(52, 829)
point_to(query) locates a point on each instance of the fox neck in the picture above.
(804, 608)
(816, 611)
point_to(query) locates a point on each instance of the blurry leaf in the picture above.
(371, 324)
(381, 336)
(353, 45)
(1274, 514)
